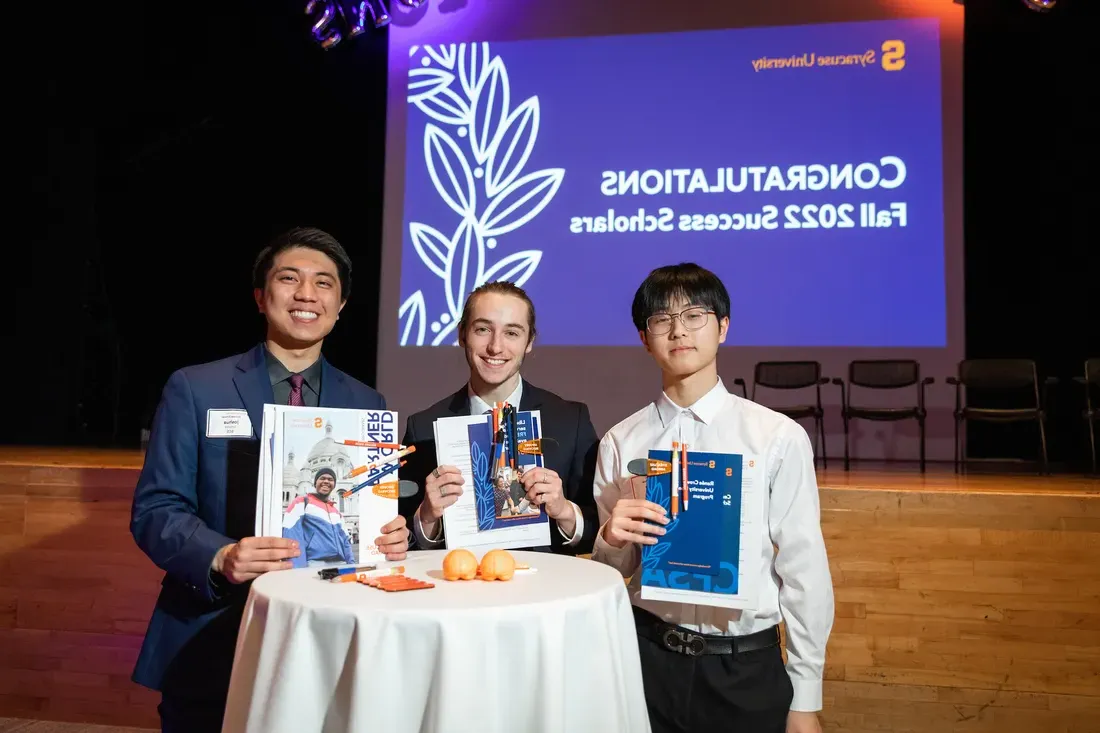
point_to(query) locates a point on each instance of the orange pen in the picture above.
(372, 444)
(388, 459)
(684, 480)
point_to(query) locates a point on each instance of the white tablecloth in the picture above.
(550, 652)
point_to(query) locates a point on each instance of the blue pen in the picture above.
(373, 479)
(330, 573)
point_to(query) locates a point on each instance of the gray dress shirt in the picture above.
(280, 381)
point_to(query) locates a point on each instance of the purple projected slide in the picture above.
(802, 164)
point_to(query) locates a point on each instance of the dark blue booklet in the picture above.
(500, 498)
(701, 548)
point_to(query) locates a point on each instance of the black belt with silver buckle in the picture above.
(683, 641)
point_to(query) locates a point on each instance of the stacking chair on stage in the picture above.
(788, 375)
(883, 374)
(744, 390)
(1091, 382)
(1004, 377)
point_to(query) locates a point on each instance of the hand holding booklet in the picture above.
(710, 552)
(328, 479)
(492, 452)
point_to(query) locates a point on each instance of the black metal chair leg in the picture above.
(921, 421)
(1092, 442)
(847, 465)
(956, 445)
(1043, 445)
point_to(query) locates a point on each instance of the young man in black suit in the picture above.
(497, 330)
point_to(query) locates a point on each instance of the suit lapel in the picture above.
(254, 386)
(334, 391)
(531, 398)
(459, 403)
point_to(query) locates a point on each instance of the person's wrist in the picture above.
(219, 559)
(605, 533)
(563, 510)
(427, 517)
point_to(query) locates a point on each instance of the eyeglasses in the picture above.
(692, 318)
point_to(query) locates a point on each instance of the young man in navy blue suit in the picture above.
(496, 331)
(194, 505)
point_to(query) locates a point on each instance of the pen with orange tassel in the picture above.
(674, 480)
(684, 478)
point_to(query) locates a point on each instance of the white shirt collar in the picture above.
(706, 408)
(479, 406)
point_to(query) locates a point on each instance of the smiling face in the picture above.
(681, 351)
(496, 337)
(324, 485)
(300, 298)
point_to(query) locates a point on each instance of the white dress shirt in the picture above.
(797, 587)
(479, 406)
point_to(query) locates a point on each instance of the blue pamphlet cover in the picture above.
(501, 504)
(700, 550)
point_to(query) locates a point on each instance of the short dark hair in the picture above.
(310, 238)
(502, 287)
(687, 281)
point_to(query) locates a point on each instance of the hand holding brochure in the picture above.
(709, 554)
(323, 484)
(493, 510)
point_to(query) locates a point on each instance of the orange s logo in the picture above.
(893, 55)
(711, 464)
(752, 463)
(729, 471)
(318, 422)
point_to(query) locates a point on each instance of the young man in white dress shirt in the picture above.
(739, 682)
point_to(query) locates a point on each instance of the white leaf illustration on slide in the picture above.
(473, 60)
(520, 202)
(445, 106)
(426, 82)
(465, 262)
(411, 318)
(444, 55)
(434, 248)
(512, 147)
(515, 268)
(450, 173)
(445, 332)
(490, 109)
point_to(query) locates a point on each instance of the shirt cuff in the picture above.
(421, 538)
(807, 695)
(625, 559)
(578, 529)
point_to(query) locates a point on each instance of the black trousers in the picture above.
(190, 715)
(715, 693)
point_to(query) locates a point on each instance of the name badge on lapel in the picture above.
(228, 424)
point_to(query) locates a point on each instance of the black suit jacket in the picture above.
(569, 447)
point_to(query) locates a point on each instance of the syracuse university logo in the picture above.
(893, 55)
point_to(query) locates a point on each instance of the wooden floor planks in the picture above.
(964, 603)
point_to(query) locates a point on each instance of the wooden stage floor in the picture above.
(963, 603)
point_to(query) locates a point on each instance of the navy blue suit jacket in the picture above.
(195, 495)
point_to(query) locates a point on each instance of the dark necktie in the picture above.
(296, 391)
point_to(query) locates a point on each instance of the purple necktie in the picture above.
(296, 391)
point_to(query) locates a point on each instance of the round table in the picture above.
(550, 651)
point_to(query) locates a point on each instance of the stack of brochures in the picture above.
(328, 479)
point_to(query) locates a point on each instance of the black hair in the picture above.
(503, 287)
(687, 281)
(310, 238)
